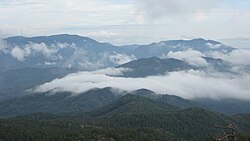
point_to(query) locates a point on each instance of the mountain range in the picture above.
(83, 53)
(155, 66)
(108, 113)
(68, 102)
(27, 62)
(130, 117)
(19, 82)
(18, 77)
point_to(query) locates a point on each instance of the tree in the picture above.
(229, 133)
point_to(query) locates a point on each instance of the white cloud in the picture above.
(113, 71)
(239, 56)
(193, 57)
(63, 45)
(2, 45)
(92, 60)
(18, 53)
(87, 60)
(191, 84)
(39, 48)
(49, 63)
(119, 59)
(31, 48)
(213, 46)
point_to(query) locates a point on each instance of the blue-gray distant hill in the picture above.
(87, 54)
(163, 47)
(71, 103)
(156, 66)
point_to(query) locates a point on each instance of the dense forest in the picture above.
(131, 117)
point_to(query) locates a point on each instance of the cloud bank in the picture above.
(113, 71)
(193, 57)
(239, 56)
(31, 48)
(119, 59)
(190, 84)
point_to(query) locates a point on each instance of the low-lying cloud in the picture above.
(20, 53)
(2, 45)
(239, 56)
(113, 71)
(187, 84)
(190, 56)
(121, 58)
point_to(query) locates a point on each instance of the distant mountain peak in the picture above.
(154, 66)
(74, 51)
(19, 40)
(198, 39)
(143, 90)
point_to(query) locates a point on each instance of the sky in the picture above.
(127, 21)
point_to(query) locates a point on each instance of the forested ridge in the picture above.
(129, 118)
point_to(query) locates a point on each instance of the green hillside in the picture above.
(130, 117)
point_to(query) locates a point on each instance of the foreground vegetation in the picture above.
(131, 117)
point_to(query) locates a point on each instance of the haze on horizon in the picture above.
(127, 21)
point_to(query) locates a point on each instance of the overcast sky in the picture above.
(127, 21)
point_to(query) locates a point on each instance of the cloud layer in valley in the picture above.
(190, 84)
(120, 59)
(239, 56)
(193, 57)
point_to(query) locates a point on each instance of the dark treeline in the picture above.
(131, 117)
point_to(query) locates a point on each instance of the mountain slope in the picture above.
(191, 125)
(64, 130)
(129, 114)
(58, 51)
(167, 99)
(79, 52)
(131, 104)
(226, 106)
(63, 102)
(218, 65)
(16, 82)
(57, 103)
(163, 47)
(136, 112)
(80, 41)
(154, 66)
